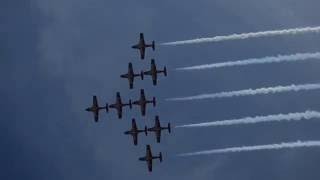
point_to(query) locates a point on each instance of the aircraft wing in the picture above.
(142, 52)
(131, 84)
(142, 95)
(119, 110)
(154, 79)
(95, 101)
(149, 165)
(134, 124)
(135, 139)
(157, 122)
(143, 109)
(118, 97)
(149, 153)
(96, 116)
(158, 136)
(141, 37)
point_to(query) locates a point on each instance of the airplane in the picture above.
(95, 108)
(118, 105)
(142, 102)
(154, 72)
(142, 46)
(157, 128)
(135, 131)
(149, 158)
(131, 75)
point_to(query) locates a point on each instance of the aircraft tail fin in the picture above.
(154, 101)
(153, 46)
(169, 127)
(160, 157)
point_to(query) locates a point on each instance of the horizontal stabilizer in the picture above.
(154, 101)
(146, 130)
(165, 71)
(160, 157)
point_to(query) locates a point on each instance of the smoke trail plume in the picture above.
(248, 35)
(264, 60)
(250, 92)
(258, 119)
(287, 145)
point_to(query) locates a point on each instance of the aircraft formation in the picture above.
(141, 103)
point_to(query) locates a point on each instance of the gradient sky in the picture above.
(56, 54)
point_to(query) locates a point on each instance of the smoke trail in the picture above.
(248, 35)
(288, 145)
(250, 92)
(268, 59)
(258, 119)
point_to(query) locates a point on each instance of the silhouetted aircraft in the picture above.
(142, 102)
(149, 158)
(142, 46)
(154, 72)
(95, 108)
(157, 128)
(135, 131)
(131, 75)
(119, 105)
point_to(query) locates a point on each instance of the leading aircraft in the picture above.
(142, 46)
(119, 105)
(95, 108)
(131, 75)
(157, 128)
(135, 131)
(142, 102)
(154, 72)
(149, 158)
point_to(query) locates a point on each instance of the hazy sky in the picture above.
(56, 54)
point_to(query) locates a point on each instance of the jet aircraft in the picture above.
(131, 75)
(134, 131)
(118, 105)
(149, 158)
(142, 46)
(154, 72)
(95, 108)
(157, 128)
(142, 102)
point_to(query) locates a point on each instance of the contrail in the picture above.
(293, 31)
(258, 119)
(250, 92)
(264, 60)
(285, 145)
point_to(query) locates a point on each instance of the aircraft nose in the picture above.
(88, 109)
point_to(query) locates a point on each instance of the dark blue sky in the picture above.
(56, 54)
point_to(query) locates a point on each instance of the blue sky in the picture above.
(56, 54)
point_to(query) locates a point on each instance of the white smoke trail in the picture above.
(293, 31)
(287, 145)
(250, 92)
(258, 119)
(264, 60)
